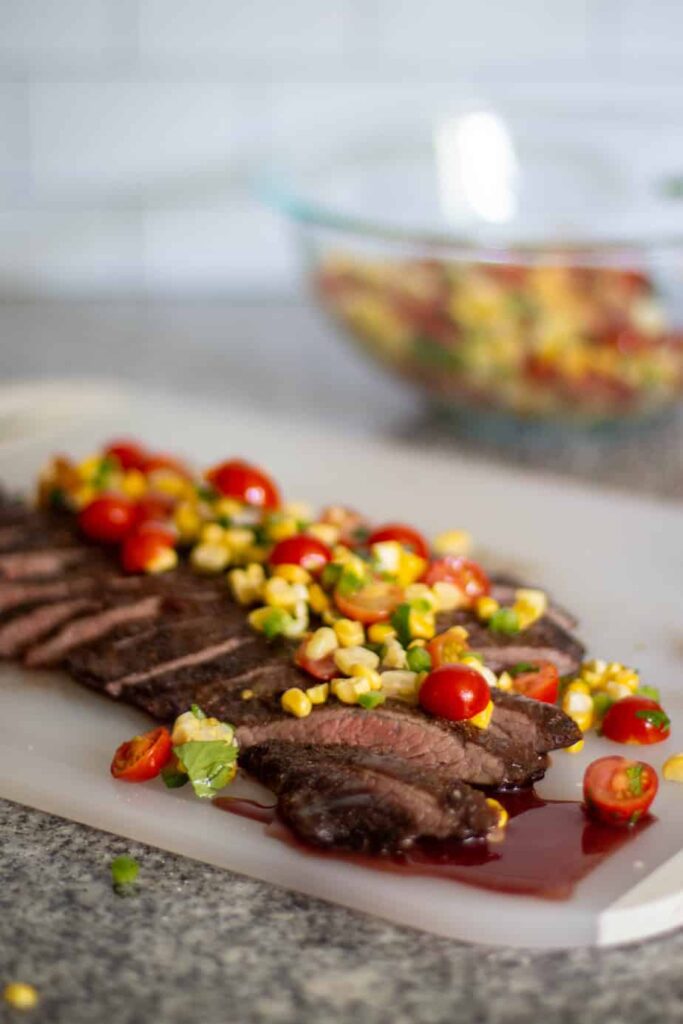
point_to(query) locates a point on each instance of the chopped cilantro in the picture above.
(521, 667)
(331, 575)
(419, 660)
(124, 870)
(371, 700)
(634, 774)
(204, 492)
(349, 582)
(505, 621)
(197, 712)
(224, 521)
(400, 620)
(655, 716)
(173, 778)
(276, 623)
(421, 604)
(210, 764)
(648, 691)
(260, 531)
(302, 525)
(101, 475)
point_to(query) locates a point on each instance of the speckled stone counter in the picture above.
(194, 944)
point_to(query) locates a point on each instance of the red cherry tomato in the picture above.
(456, 692)
(405, 535)
(145, 544)
(108, 519)
(445, 649)
(540, 683)
(143, 757)
(247, 483)
(130, 454)
(372, 603)
(618, 791)
(302, 550)
(463, 573)
(154, 508)
(321, 668)
(159, 460)
(636, 720)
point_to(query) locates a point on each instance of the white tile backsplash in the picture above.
(129, 128)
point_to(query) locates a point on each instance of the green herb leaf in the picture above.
(521, 667)
(331, 575)
(173, 778)
(602, 702)
(648, 691)
(124, 870)
(371, 700)
(276, 623)
(57, 499)
(350, 582)
(400, 620)
(505, 621)
(634, 774)
(655, 716)
(224, 521)
(204, 492)
(419, 660)
(302, 525)
(197, 712)
(421, 604)
(210, 764)
(103, 472)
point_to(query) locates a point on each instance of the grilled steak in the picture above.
(544, 640)
(25, 630)
(361, 800)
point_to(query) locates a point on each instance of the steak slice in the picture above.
(503, 589)
(544, 640)
(46, 562)
(27, 629)
(362, 800)
(90, 627)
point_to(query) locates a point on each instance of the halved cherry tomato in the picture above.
(456, 692)
(144, 544)
(618, 791)
(108, 518)
(130, 454)
(308, 552)
(445, 648)
(160, 460)
(372, 603)
(540, 683)
(636, 720)
(247, 483)
(354, 528)
(154, 508)
(405, 535)
(463, 573)
(143, 757)
(321, 668)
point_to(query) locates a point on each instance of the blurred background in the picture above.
(132, 243)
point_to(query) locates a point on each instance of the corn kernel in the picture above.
(300, 510)
(209, 557)
(410, 569)
(617, 690)
(280, 594)
(134, 483)
(20, 996)
(482, 718)
(575, 748)
(325, 532)
(258, 618)
(477, 664)
(284, 528)
(318, 694)
(346, 657)
(187, 521)
(505, 682)
(421, 592)
(530, 606)
(380, 632)
(486, 607)
(370, 674)
(227, 508)
(89, 467)
(247, 695)
(421, 624)
(164, 560)
(387, 556)
(503, 816)
(400, 684)
(452, 542)
(212, 533)
(167, 482)
(292, 573)
(349, 690)
(318, 599)
(82, 496)
(578, 704)
(447, 596)
(298, 623)
(295, 702)
(349, 633)
(672, 769)
(321, 643)
(395, 656)
(239, 538)
(330, 616)
(247, 584)
(416, 643)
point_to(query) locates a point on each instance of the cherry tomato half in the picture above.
(321, 668)
(540, 683)
(405, 535)
(143, 757)
(247, 483)
(618, 791)
(353, 527)
(309, 552)
(146, 543)
(636, 720)
(130, 454)
(463, 573)
(108, 519)
(372, 603)
(445, 648)
(160, 461)
(456, 692)
(154, 508)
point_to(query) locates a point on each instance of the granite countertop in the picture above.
(193, 943)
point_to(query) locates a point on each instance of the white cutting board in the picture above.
(618, 562)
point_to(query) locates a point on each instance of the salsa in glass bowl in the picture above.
(505, 261)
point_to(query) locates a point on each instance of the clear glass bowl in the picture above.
(518, 261)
